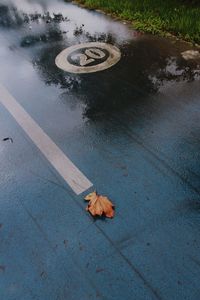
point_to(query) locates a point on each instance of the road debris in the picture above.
(99, 205)
(8, 139)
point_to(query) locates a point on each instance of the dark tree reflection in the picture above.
(142, 70)
(147, 63)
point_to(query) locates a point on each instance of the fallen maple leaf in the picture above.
(99, 205)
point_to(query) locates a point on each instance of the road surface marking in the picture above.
(88, 57)
(70, 173)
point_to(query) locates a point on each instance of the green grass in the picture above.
(156, 16)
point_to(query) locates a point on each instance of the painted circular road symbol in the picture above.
(88, 58)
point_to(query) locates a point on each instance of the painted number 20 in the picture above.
(90, 56)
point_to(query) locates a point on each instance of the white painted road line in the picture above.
(70, 173)
(88, 53)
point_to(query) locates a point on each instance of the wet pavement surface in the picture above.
(133, 130)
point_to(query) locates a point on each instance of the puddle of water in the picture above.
(37, 31)
(145, 93)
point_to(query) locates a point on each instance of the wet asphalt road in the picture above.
(133, 130)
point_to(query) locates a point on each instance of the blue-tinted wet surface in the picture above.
(134, 132)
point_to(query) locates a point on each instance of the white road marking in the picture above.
(71, 174)
(93, 51)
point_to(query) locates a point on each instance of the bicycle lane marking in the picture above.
(78, 182)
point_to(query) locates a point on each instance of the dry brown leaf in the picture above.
(99, 205)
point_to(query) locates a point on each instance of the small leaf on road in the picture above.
(99, 205)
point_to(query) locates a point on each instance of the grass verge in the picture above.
(177, 17)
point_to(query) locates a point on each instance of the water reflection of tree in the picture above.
(44, 62)
(12, 17)
(144, 67)
(142, 70)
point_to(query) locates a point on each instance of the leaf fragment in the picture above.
(100, 205)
